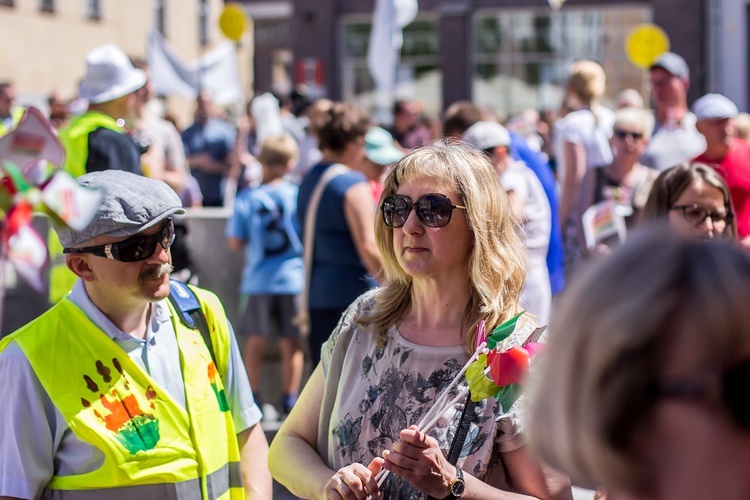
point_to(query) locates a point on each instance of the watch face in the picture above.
(457, 488)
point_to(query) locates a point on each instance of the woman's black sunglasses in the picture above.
(133, 249)
(433, 210)
(726, 388)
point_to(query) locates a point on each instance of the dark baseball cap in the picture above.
(673, 64)
(131, 204)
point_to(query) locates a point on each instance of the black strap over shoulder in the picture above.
(188, 307)
(463, 430)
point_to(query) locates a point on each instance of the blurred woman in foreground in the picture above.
(645, 383)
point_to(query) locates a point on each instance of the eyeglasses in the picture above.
(622, 134)
(726, 388)
(133, 249)
(696, 214)
(433, 210)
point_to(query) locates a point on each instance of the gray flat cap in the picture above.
(132, 203)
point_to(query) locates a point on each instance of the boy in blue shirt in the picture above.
(264, 224)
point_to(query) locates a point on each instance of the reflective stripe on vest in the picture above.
(75, 139)
(146, 438)
(229, 476)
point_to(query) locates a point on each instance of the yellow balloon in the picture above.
(232, 21)
(645, 43)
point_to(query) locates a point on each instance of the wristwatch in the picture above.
(457, 486)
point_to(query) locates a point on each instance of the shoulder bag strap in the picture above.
(462, 431)
(303, 318)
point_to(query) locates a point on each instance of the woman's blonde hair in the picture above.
(497, 265)
(637, 118)
(587, 81)
(611, 340)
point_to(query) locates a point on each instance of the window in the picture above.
(93, 10)
(160, 16)
(521, 56)
(418, 75)
(202, 23)
(47, 5)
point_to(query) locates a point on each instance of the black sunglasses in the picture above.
(622, 134)
(726, 388)
(433, 210)
(133, 249)
(696, 214)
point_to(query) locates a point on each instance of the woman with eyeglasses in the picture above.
(643, 390)
(695, 200)
(452, 257)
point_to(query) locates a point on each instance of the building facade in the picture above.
(43, 43)
(504, 54)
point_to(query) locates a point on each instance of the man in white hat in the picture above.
(113, 393)
(729, 155)
(95, 140)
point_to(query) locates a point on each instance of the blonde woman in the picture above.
(586, 132)
(451, 258)
(644, 385)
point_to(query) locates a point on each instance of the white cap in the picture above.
(109, 75)
(486, 135)
(714, 106)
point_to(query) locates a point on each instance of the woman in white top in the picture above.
(586, 132)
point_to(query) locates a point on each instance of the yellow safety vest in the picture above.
(75, 139)
(153, 447)
(16, 113)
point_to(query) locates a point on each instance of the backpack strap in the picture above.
(189, 309)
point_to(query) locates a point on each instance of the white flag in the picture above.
(216, 72)
(386, 39)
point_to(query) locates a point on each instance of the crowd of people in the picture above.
(378, 251)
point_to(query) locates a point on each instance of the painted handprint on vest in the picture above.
(135, 429)
(213, 374)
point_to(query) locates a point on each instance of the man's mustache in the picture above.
(155, 273)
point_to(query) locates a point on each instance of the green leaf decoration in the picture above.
(16, 176)
(503, 331)
(509, 395)
(481, 385)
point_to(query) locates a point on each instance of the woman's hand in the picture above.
(354, 481)
(417, 458)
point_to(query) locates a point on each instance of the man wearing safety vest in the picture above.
(110, 393)
(96, 140)
(10, 115)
